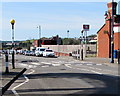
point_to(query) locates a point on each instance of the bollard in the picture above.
(82, 54)
(6, 62)
(12, 81)
(13, 60)
(118, 56)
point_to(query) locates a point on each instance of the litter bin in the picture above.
(115, 53)
(118, 54)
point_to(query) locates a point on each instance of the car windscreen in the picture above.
(49, 51)
(42, 49)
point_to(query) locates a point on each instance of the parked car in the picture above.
(48, 53)
(28, 53)
(39, 51)
(32, 53)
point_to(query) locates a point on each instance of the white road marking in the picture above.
(82, 69)
(45, 63)
(89, 64)
(27, 80)
(32, 71)
(13, 89)
(96, 72)
(98, 64)
(56, 64)
(44, 66)
(68, 66)
(35, 63)
(78, 64)
(30, 66)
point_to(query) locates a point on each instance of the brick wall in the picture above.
(65, 50)
(104, 41)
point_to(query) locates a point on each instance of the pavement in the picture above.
(98, 60)
(6, 77)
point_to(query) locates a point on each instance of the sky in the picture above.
(55, 18)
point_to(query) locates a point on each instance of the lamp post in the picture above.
(112, 34)
(13, 61)
(82, 45)
(67, 33)
(39, 32)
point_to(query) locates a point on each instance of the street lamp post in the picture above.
(82, 45)
(67, 33)
(39, 31)
(13, 61)
(112, 34)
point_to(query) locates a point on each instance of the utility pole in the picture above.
(39, 34)
(67, 33)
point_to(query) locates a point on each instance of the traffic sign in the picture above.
(86, 27)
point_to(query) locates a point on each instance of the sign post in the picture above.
(86, 28)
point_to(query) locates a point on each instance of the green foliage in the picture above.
(70, 41)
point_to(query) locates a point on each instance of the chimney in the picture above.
(110, 5)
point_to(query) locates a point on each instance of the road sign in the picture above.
(86, 27)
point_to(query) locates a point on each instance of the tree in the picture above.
(70, 41)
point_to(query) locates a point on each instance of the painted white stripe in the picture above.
(79, 64)
(84, 69)
(27, 80)
(89, 64)
(45, 66)
(95, 72)
(35, 63)
(13, 89)
(45, 63)
(30, 66)
(56, 64)
(98, 64)
(32, 71)
(67, 66)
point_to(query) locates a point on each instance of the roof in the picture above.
(101, 28)
(92, 41)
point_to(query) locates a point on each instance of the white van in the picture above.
(39, 51)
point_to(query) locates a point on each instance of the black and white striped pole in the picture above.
(13, 61)
(6, 63)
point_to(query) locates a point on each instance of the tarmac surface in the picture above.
(6, 77)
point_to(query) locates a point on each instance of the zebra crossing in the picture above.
(56, 64)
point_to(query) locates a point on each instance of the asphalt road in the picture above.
(64, 76)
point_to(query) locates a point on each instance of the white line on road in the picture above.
(56, 64)
(32, 71)
(89, 64)
(35, 63)
(27, 80)
(45, 63)
(98, 64)
(13, 89)
(45, 66)
(82, 69)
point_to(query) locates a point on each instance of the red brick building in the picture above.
(48, 41)
(104, 34)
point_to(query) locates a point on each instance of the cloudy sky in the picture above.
(55, 18)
